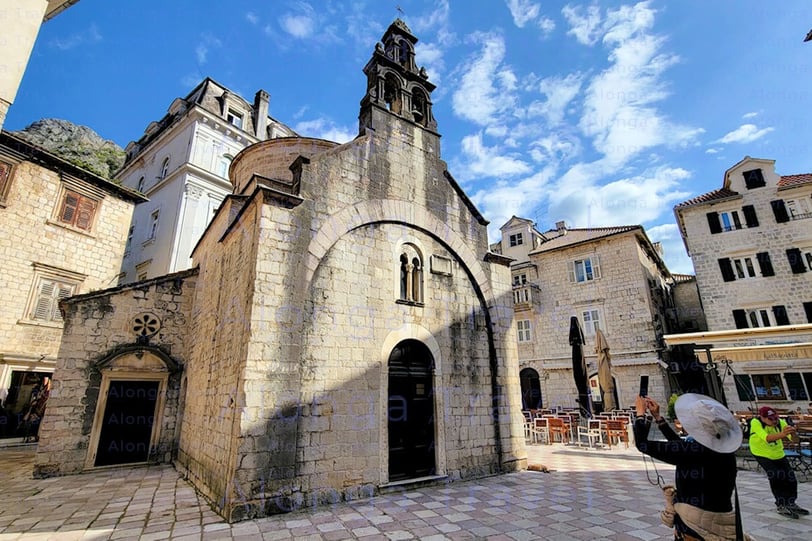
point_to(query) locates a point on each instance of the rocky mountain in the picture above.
(78, 145)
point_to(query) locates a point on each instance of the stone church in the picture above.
(344, 330)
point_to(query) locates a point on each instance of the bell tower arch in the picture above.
(395, 84)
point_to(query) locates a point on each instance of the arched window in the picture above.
(164, 169)
(391, 94)
(403, 53)
(411, 274)
(419, 107)
(140, 185)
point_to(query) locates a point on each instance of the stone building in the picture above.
(345, 328)
(181, 163)
(611, 278)
(751, 245)
(62, 232)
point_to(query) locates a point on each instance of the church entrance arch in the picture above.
(411, 411)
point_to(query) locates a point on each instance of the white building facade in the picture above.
(181, 164)
(751, 245)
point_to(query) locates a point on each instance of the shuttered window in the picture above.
(765, 264)
(808, 311)
(5, 179)
(753, 179)
(713, 222)
(46, 303)
(795, 386)
(77, 210)
(780, 211)
(744, 387)
(796, 260)
(750, 217)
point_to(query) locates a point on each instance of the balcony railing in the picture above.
(523, 296)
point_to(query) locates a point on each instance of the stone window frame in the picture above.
(77, 207)
(235, 117)
(6, 173)
(593, 261)
(520, 279)
(164, 168)
(516, 239)
(154, 224)
(108, 376)
(593, 321)
(49, 285)
(410, 279)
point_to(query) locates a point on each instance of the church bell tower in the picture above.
(394, 82)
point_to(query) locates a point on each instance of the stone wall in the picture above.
(627, 319)
(303, 380)
(100, 328)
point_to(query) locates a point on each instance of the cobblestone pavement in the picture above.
(589, 495)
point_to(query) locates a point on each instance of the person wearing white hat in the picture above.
(706, 464)
(767, 434)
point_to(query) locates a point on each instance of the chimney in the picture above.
(561, 227)
(261, 100)
(658, 247)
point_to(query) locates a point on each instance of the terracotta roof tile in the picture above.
(722, 193)
(794, 180)
(577, 236)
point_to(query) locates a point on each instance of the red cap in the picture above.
(767, 411)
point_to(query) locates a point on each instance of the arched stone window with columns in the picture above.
(410, 273)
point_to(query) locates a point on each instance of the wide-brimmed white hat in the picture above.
(709, 422)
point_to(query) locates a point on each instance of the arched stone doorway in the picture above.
(411, 412)
(531, 389)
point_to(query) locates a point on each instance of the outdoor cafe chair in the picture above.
(616, 429)
(540, 431)
(558, 429)
(593, 433)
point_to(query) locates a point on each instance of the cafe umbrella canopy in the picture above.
(579, 367)
(605, 371)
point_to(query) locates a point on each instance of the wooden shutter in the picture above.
(796, 260)
(69, 206)
(780, 313)
(753, 179)
(5, 178)
(596, 266)
(727, 269)
(43, 306)
(744, 387)
(714, 223)
(808, 311)
(740, 318)
(750, 215)
(795, 385)
(780, 211)
(765, 264)
(84, 213)
(571, 268)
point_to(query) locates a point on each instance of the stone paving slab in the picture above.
(588, 495)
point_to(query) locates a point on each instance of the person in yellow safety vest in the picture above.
(767, 434)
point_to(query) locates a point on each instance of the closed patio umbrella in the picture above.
(605, 371)
(579, 367)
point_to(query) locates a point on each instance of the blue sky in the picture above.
(601, 113)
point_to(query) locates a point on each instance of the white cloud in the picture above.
(202, 49)
(585, 25)
(619, 112)
(91, 35)
(547, 26)
(752, 114)
(486, 89)
(746, 133)
(323, 128)
(522, 11)
(555, 149)
(674, 254)
(504, 199)
(437, 21)
(559, 92)
(251, 17)
(300, 25)
(626, 201)
(712, 151)
(430, 56)
(483, 161)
